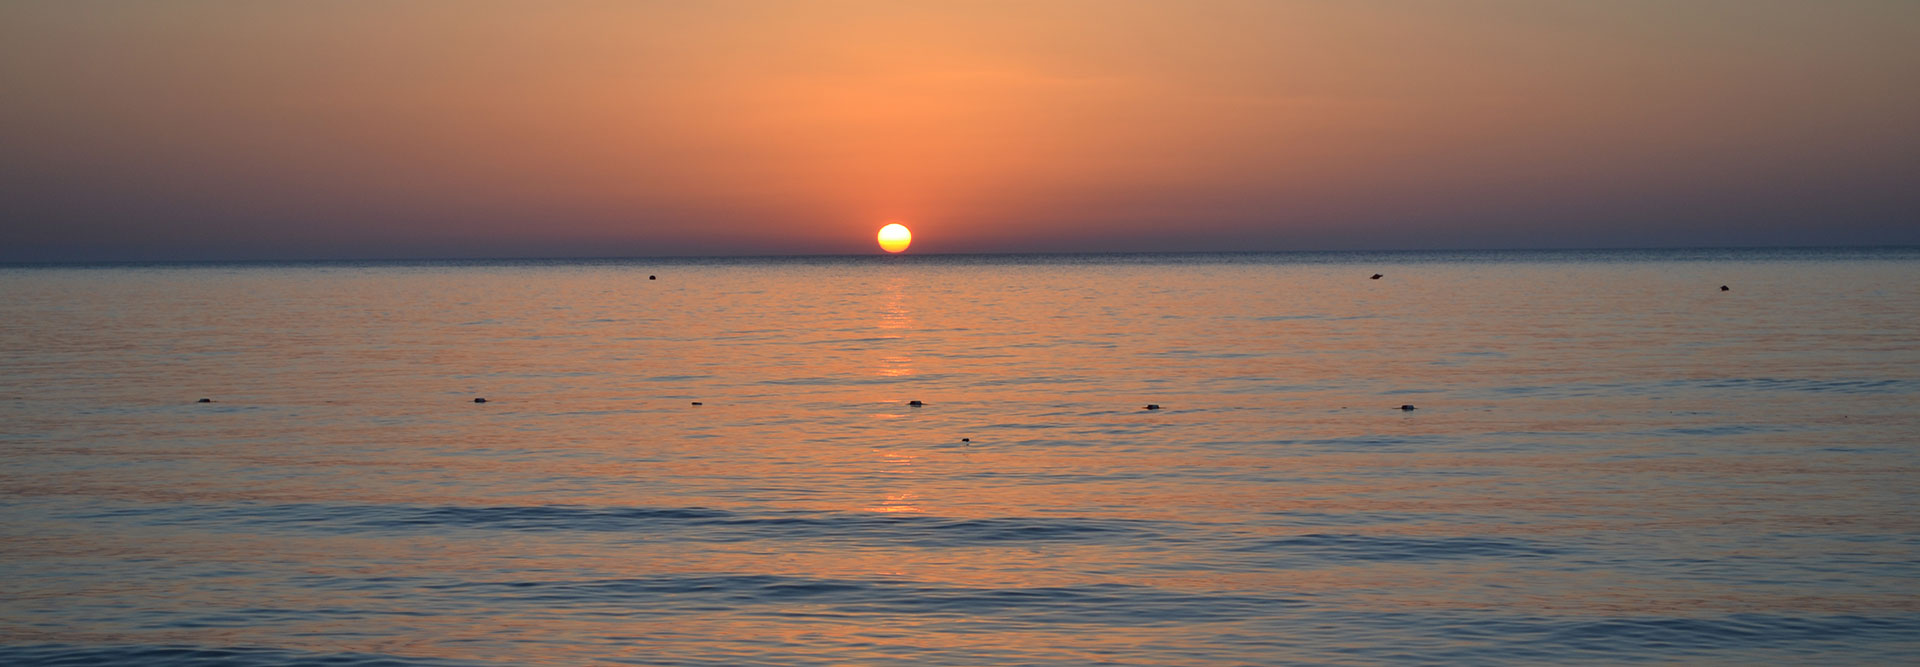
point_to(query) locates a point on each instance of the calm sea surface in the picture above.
(1611, 460)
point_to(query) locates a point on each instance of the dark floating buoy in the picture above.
(1725, 288)
(479, 400)
(204, 400)
(1152, 406)
(1408, 407)
(650, 277)
(1375, 277)
(915, 403)
(698, 403)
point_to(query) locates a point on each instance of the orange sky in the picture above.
(371, 129)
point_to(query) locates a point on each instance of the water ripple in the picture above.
(1397, 548)
(682, 523)
(64, 655)
(1092, 604)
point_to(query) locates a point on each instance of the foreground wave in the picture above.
(1246, 629)
(696, 523)
(67, 655)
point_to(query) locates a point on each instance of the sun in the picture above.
(895, 237)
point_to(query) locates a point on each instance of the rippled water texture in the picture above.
(1611, 460)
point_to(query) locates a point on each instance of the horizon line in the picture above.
(901, 256)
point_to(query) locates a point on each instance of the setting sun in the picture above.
(895, 237)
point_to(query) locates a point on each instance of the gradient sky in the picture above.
(225, 130)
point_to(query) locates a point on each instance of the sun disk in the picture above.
(895, 237)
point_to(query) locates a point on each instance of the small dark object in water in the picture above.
(650, 277)
(1408, 407)
(204, 400)
(1375, 277)
(1725, 288)
(1152, 406)
(966, 439)
(915, 403)
(697, 403)
(479, 400)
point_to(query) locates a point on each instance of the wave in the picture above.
(1111, 604)
(65, 655)
(1395, 548)
(1857, 386)
(682, 523)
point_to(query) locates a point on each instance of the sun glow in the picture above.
(895, 237)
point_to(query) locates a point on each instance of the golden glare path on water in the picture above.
(895, 237)
(1594, 473)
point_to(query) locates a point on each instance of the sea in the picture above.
(1518, 457)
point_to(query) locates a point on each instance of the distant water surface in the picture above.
(1610, 460)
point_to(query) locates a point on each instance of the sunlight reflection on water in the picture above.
(1610, 460)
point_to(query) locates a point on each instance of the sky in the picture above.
(191, 130)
